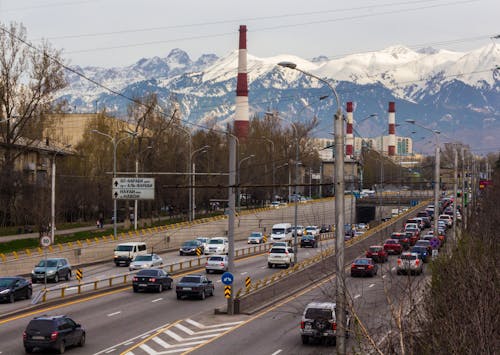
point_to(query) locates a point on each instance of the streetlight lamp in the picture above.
(436, 172)
(192, 212)
(115, 143)
(136, 202)
(238, 175)
(274, 166)
(53, 194)
(339, 211)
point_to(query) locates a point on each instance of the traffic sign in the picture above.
(79, 274)
(133, 188)
(435, 242)
(45, 241)
(227, 278)
(227, 291)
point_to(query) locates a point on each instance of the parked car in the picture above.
(218, 245)
(308, 240)
(377, 253)
(364, 267)
(392, 246)
(319, 323)
(14, 288)
(422, 251)
(409, 263)
(256, 238)
(190, 247)
(152, 279)
(54, 333)
(145, 261)
(280, 256)
(217, 263)
(194, 285)
(55, 269)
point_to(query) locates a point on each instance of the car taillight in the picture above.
(222, 264)
(417, 262)
(302, 325)
(399, 261)
(334, 326)
(135, 279)
(53, 335)
(287, 253)
(370, 266)
(353, 266)
(152, 279)
(25, 336)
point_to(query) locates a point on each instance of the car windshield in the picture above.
(189, 243)
(203, 240)
(318, 313)
(216, 258)
(50, 263)
(422, 242)
(278, 250)
(362, 261)
(391, 241)
(124, 248)
(143, 258)
(278, 231)
(308, 237)
(256, 235)
(4, 282)
(148, 273)
(216, 241)
(191, 279)
(375, 249)
(418, 249)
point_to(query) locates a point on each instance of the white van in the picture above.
(282, 232)
(126, 252)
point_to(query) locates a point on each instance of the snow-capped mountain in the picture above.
(451, 91)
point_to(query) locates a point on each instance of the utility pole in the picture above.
(455, 187)
(464, 214)
(231, 214)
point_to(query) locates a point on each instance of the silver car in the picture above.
(409, 263)
(218, 263)
(145, 262)
(255, 238)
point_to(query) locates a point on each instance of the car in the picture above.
(194, 285)
(308, 240)
(191, 247)
(54, 269)
(377, 253)
(403, 239)
(392, 246)
(145, 261)
(300, 230)
(14, 288)
(319, 323)
(325, 228)
(217, 263)
(422, 251)
(255, 238)
(218, 245)
(409, 263)
(447, 218)
(424, 243)
(54, 333)
(280, 256)
(275, 204)
(204, 242)
(314, 230)
(363, 267)
(412, 237)
(124, 253)
(152, 279)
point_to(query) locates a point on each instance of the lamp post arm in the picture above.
(323, 81)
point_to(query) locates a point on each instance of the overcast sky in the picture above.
(120, 32)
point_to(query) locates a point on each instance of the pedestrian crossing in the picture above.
(179, 337)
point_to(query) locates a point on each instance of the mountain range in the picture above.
(457, 93)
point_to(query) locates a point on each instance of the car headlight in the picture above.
(32, 272)
(4, 292)
(51, 272)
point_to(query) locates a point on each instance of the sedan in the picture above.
(145, 261)
(255, 238)
(392, 246)
(377, 253)
(194, 285)
(14, 288)
(152, 279)
(308, 240)
(191, 247)
(218, 263)
(364, 267)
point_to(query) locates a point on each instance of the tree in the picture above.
(29, 77)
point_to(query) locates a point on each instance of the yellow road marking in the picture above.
(150, 337)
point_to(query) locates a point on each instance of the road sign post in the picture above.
(227, 279)
(45, 241)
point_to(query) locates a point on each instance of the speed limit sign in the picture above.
(45, 241)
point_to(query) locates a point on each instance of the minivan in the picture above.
(125, 252)
(281, 231)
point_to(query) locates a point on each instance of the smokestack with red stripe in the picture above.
(392, 128)
(241, 115)
(349, 135)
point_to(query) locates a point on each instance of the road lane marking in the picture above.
(161, 342)
(158, 332)
(179, 338)
(243, 273)
(357, 296)
(384, 276)
(128, 343)
(184, 329)
(393, 269)
(148, 349)
(371, 285)
(114, 313)
(156, 300)
(277, 352)
(110, 351)
(202, 326)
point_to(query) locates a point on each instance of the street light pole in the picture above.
(136, 202)
(273, 167)
(189, 171)
(341, 301)
(53, 195)
(192, 211)
(238, 179)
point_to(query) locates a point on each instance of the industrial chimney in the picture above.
(241, 115)
(392, 129)
(349, 135)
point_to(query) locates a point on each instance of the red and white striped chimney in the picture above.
(241, 115)
(392, 128)
(349, 141)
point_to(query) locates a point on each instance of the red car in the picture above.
(412, 236)
(392, 246)
(403, 239)
(377, 253)
(363, 267)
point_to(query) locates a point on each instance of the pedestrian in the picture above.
(101, 222)
(97, 224)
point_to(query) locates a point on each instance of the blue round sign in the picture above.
(435, 243)
(227, 278)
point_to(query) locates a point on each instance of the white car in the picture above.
(255, 238)
(280, 256)
(313, 230)
(204, 241)
(218, 245)
(217, 263)
(145, 262)
(447, 218)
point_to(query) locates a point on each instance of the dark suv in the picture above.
(319, 322)
(56, 333)
(55, 268)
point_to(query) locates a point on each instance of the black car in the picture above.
(325, 228)
(364, 267)
(57, 333)
(308, 240)
(152, 279)
(190, 247)
(194, 285)
(14, 288)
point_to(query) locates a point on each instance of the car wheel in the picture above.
(180, 253)
(287, 266)
(212, 293)
(56, 278)
(28, 349)
(29, 292)
(12, 298)
(202, 296)
(81, 343)
(136, 289)
(269, 265)
(305, 339)
(160, 288)
(179, 296)
(61, 348)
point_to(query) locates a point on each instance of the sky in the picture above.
(114, 33)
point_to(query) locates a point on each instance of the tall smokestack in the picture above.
(349, 136)
(241, 115)
(392, 128)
